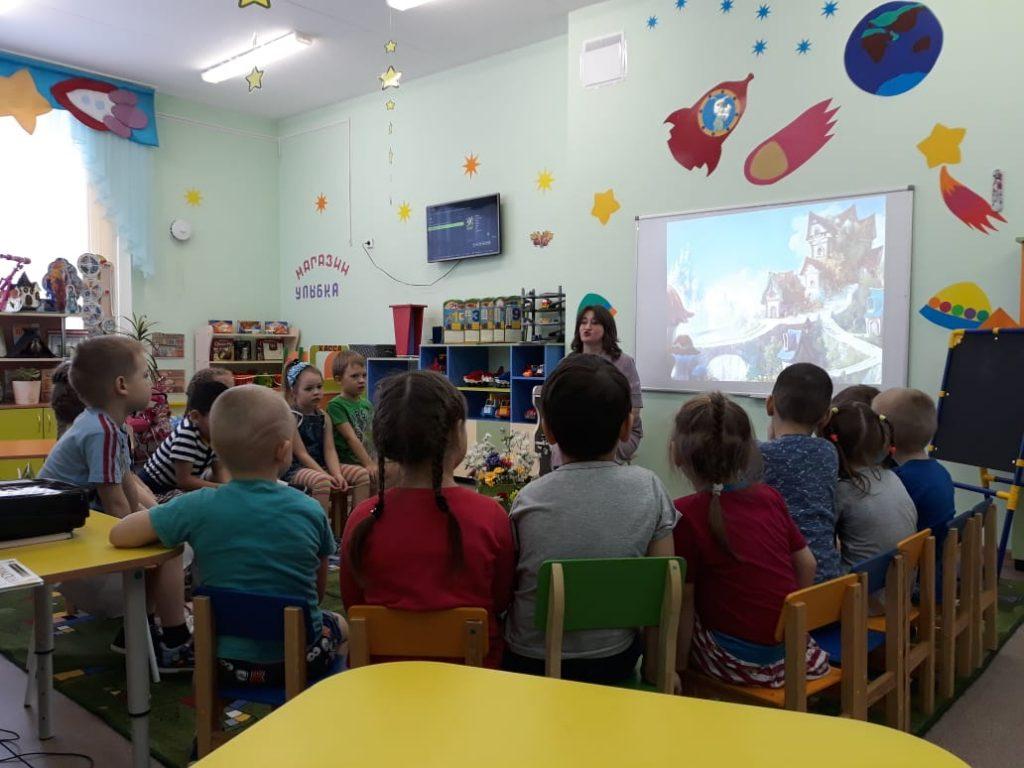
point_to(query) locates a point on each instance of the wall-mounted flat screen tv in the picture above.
(464, 229)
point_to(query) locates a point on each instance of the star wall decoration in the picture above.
(193, 197)
(726, 6)
(942, 147)
(605, 205)
(760, 47)
(680, 5)
(404, 212)
(321, 203)
(545, 179)
(652, 22)
(471, 166)
(390, 46)
(20, 99)
(828, 10)
(260, 3)
(391, 78)
(763, 11)
(390, 105)
(804, 46)
(255, 79)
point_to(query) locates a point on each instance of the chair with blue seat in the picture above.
(262, 618)
(611, 593)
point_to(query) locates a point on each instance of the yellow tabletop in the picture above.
(26, 449)
(425, 715)
(86, 553)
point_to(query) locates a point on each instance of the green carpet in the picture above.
(89, 673)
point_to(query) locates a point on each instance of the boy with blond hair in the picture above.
(251, 534)
(110, 376)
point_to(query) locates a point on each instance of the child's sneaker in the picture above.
(118, 646)
(180, 658)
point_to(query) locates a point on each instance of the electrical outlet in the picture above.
(368, 244)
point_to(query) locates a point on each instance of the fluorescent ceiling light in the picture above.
(9, 5)
(242, 64)
(405, 5)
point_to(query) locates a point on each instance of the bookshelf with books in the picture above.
(252, 354)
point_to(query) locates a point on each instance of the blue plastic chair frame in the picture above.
(829, 638)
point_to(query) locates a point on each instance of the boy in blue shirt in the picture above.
(252, 534)
(801, 467)
(912, 415)
(110, 376)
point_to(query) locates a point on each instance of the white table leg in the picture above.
(137, 662)
(43, 599)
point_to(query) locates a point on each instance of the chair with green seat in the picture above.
(612, 593)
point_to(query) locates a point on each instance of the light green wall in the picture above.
(229, 268)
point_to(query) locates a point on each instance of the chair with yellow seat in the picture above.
(611, 593)
(960, 571)
(458, 633)
(840, 600)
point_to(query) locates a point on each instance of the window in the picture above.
(47, 209)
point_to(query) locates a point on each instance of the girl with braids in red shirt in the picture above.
(427, 544)
(743, 551)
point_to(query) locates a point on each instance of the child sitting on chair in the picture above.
(743, 551)
(252, 534)
(589, 507)
(315, 465)
(351, 414)
(427, 544)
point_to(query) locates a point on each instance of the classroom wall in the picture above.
(229, 268)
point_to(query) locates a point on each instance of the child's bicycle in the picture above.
(7, 283)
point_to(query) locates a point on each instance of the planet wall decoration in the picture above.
(893, 48)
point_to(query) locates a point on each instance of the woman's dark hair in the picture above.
(610, 342)
(862, 438)
(415, 415)
(713, 442)
(64, 400)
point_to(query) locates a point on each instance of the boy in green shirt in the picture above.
(352, 416)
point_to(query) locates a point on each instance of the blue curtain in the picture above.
(122, 174)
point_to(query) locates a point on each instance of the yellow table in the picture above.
(445, 716)
(26, 449)
(89, 553)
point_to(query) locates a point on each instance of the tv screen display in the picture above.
(464, 229)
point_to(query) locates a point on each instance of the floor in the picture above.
(77, 729)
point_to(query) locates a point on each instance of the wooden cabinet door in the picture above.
(21, 424)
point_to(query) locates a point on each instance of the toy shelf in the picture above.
(279, 363)
(254, 336)
(204, 337)
(380, 368)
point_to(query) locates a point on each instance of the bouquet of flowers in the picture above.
(501, 470)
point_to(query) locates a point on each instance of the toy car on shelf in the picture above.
(490, 409)
(487, 379)
(504, 410)
(503, 378)
(534, 371)
(530, 414)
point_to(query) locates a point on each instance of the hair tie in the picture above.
(717, 488)
(881, 417)
(834, 437)
(834, 410)
(294, 372)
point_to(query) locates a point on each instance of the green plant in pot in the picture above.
(26, 383)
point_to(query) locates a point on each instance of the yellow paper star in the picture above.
(390, 79)
(390, 46)
(255, 79)
(605, 205)
(390, 105)
(321, 203)
(544, 180)
(193, 197)
(20, 99)
(471, 166)
(942, 147)
(404, 212)
(261, 3)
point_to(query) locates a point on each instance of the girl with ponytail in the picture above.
(743, 551)
(427, 544)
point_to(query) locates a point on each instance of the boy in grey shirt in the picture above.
(590, 507)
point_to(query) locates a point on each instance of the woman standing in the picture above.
(596, 334)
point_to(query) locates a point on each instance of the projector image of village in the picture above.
(752, 292)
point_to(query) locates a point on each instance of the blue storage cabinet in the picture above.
(379, 368)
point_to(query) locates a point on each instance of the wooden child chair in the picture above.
(611, 593)
(840, 600)
(986, 635)
(255, 617)
(960, 552)
(458, 633)
(340, 501)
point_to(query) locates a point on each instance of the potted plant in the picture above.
(25, 382)
(501, 471)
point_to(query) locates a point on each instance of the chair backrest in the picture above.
(418, 634)
(958, 522)
(607, 593)
(876, 569)
(912, 548)
(252, 616)
(823, 603)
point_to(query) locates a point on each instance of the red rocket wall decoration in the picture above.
(698, 131)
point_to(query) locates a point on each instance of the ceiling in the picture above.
(166, 43)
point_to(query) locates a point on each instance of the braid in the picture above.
(455, 553)
(719, 466)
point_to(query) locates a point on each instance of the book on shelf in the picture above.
(222, 349)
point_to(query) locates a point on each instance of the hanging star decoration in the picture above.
(942, 147)
(763, 12)
(390, 79)
(391, 128)
(20, 99)
(391, 156)
(471, 166)
(544, 180)
(804, 46)
(726, 6)
(652, 22)
(828, 10)
(390, 46)
(404, 212)
(760, 47)
(390, 105)
(193, 197)
(680, 5)
(605, 205)
(255, 79)
(260, 3)
(321, 203)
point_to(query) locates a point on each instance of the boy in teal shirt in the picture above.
(252, 534)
